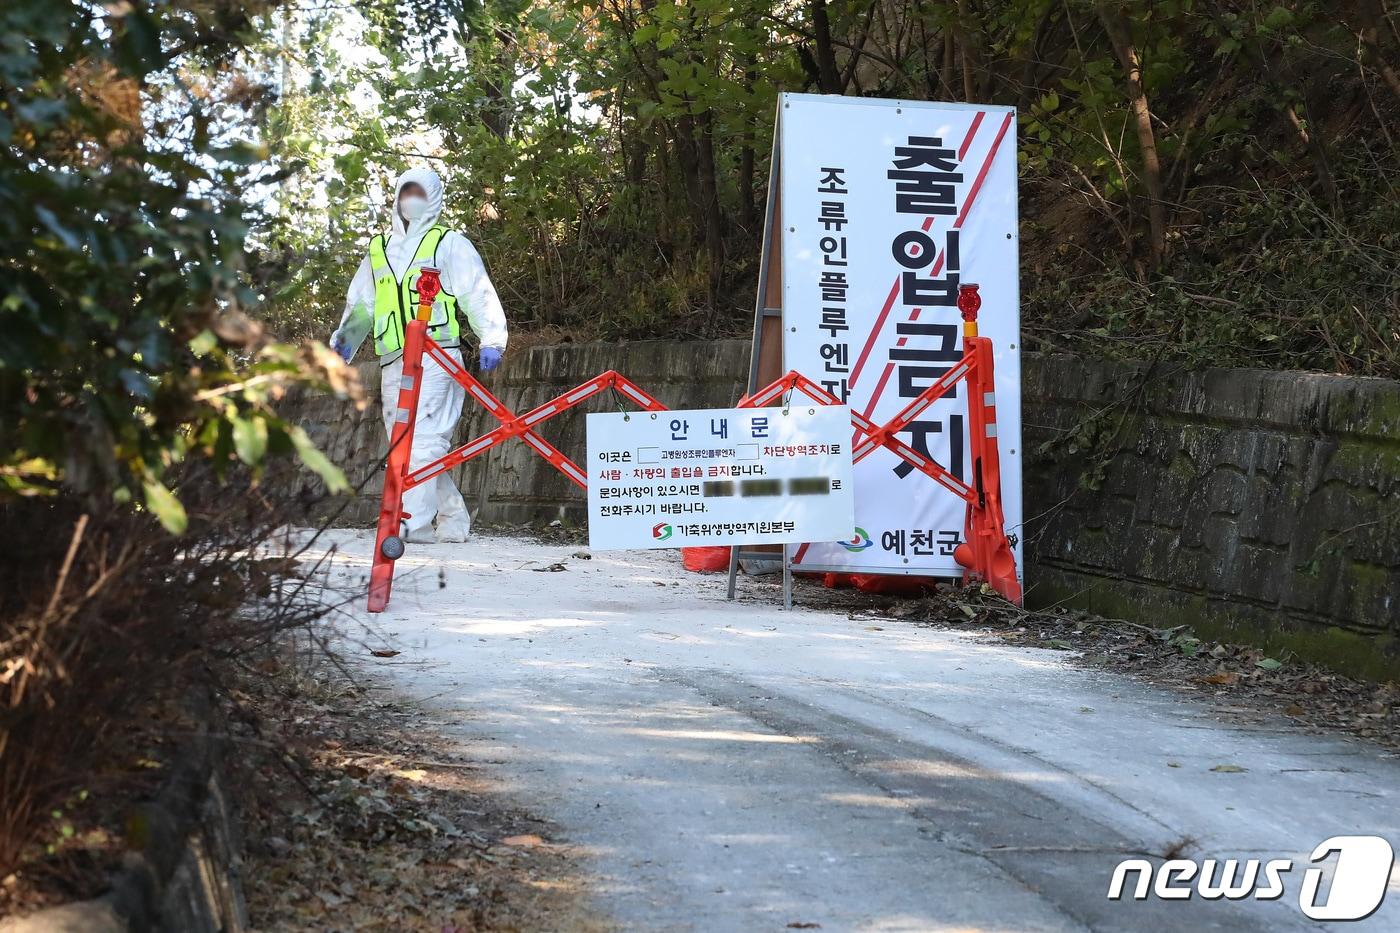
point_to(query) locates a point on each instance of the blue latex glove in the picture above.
(342, 346)
(490, 359)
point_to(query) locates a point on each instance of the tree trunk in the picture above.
(498, 115)
(1285, 77)
(688, 161)
(949, 66)
(286, 89)
(747, 215)
(853, 60)
(665, 174)
(1029, 90)
(695, 152)
(709, 204)
(1372, 15)
(1119, 33)
(965, 46)
(1311, 139)
(828, 77)
(635, 160)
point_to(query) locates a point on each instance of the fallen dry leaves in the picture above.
(1258, 688)
(360, 816)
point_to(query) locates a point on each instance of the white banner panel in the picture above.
(887, 206)
(719, 476)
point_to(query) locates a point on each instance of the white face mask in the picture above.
(412, 207)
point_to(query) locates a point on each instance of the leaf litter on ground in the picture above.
(1257, 686)
(360, 815)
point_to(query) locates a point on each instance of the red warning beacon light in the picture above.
(429, 284)
(969, 303)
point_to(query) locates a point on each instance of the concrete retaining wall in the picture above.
(1260, 505)
(1243, 502)
(182, 869)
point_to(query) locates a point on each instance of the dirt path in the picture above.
(734, 767)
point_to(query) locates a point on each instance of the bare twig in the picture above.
(79, 527)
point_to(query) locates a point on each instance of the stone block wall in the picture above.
(1255, 505)
(1243, 502)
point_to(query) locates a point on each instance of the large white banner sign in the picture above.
(719, 476)
(887, 207)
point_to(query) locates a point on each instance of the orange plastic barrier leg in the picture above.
(388, 542)
(400, 476)
(991, 557)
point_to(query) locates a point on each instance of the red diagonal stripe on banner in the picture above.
(928, 222)
(971, 132)
(870, 341)
(938, 264)
(986, 167)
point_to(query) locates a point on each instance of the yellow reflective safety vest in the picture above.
(396, 301)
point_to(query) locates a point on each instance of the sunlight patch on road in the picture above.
(516, 626)
(878, 800)
(749, 839)
(950, 769)
(672, 638)
(912, 924)
(751, 633)
(724, 735)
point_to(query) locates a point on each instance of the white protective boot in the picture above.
(454, 522)
(423, 534)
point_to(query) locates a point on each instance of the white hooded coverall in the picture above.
(440, 398)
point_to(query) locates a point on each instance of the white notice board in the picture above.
(719, 476)
(886, 207)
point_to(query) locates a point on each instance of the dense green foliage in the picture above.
(134, 386)
(1210, 180)
(124, 348)
(1202, 180)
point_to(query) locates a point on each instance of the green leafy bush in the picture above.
(124, 344)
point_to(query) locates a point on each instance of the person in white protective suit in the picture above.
(383, 298)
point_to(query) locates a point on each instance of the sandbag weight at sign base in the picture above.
(713, 559)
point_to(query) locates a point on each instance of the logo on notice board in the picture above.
(661, 532)
(860, 542)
